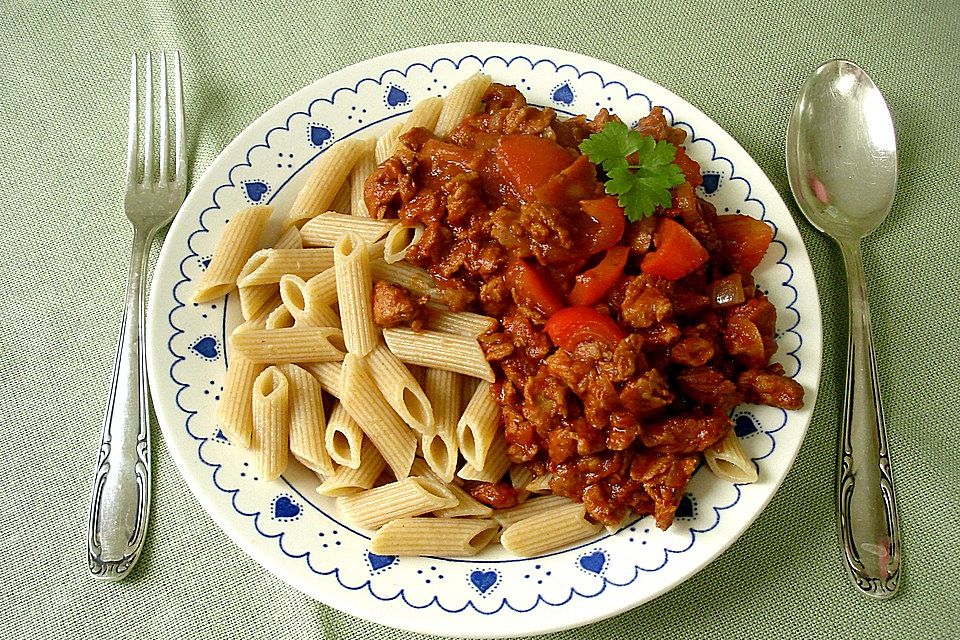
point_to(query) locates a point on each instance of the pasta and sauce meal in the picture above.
(492, 323)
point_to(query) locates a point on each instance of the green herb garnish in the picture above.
(639, 187)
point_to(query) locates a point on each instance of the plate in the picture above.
(299, 536)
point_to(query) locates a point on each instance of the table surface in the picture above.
(64, 102)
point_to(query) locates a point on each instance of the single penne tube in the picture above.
(404, 498)
(437, 350)
(235, 408)
(440, 449)
(467, 506)
(548, 531)
(239, 240)
(424, 115)
(362, 399)
(387, 143)
(540, 484)
(322, 288)
(463, 323)
(346, 480)
(401, 389)
(267, 266)
(409, 276)
(289, 239)
(327, 228)
(308, 424)
(279, 318)
(354, 294)
(256, 297)
(343, 438)
(327, 176)
(532, 507)
(327, 373)
(463, 99)
(496, 463)
(399, 240)
(270, 404)
(446, 537)
(294, 344)
(341, 202)
(304, 308)
(365, 165)
(258, 320)
(479, 426)
(728, 461)
(520, 477)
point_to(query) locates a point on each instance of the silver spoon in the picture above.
(842, 166)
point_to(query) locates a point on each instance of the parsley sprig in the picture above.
(642, 186)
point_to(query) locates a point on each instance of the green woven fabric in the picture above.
(66, 245)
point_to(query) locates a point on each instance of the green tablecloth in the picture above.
(67, 242)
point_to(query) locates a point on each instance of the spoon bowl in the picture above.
(841, 156)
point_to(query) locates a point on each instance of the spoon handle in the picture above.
(869, 527)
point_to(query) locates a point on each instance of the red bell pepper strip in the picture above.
(677, 252)
(744, 240)
(609, 222)
(593, 284)
(569, 327)
(534, 288)
(527, 161)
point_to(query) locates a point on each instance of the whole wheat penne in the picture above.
(401, 390)
(387, 143)
(447, 537)
(467, 506)
(327, 373)
(399, 240)
(548, 531)
(343, 438)
(279, 318)
(464, 98)
(305, 309)
(463, 323)
(237, 242)
(235, 409)
(346, 480)
(294, 344)
(404, 498)
(532, 507)
(259, 319)
(267, 266)
(341, 202)
(479, 426)
(440, 449)
(540, 484)
(327, 175)
(270, 442)
(254, 297)
(327, 228)
(307, 421)
(496, 463)
(354, 294)
(437, 350)
(379, 422)
(424, 115)
(365, 165)
(727, 460)
(403, 273)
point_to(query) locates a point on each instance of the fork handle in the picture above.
(869, 526)
(120, 499)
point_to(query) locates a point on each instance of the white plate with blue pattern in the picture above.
(299, 536)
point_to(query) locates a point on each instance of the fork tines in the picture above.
(150, 162)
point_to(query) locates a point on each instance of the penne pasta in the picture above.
(259, 319)
(401, 390)
(303, 306)
(343, 438)
(341, 202)
(237, 242)
(307, 421)
(445, 537)
(532, 507)
(327, 373)
(354, 293)
(365, 165)
(267, 266)
(548, 531)
(279, 318)
(327, 176)
(235, 409)
(424, 114)
(294, 344)
(346, 480)
(254, 297)
(270, 403)
(437, 350)
(540, 484)
(379, 422)
(327, 228)
(440, 449)
(464, 98)
(467, 506)
(404, 498)
(727, 460)
(387, 143)
(478, 427)
(496, 462)
(409, 276)
(399, 240)
(462, 323)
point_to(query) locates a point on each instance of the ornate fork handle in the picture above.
(120, 501)
(869, 526)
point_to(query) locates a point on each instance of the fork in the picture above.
(120, 499)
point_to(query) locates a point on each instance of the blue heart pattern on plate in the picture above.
(563, 94)
(206, 347)
(284, 508)
(319, 134)
(745, 425)
(594, 562)
(483, 580)
(396, 97)
(256, 190)
(378, 561)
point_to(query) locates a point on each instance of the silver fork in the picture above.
(120, 500)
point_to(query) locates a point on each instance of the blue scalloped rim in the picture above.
(254, 516)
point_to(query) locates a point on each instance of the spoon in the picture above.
(842, 166)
